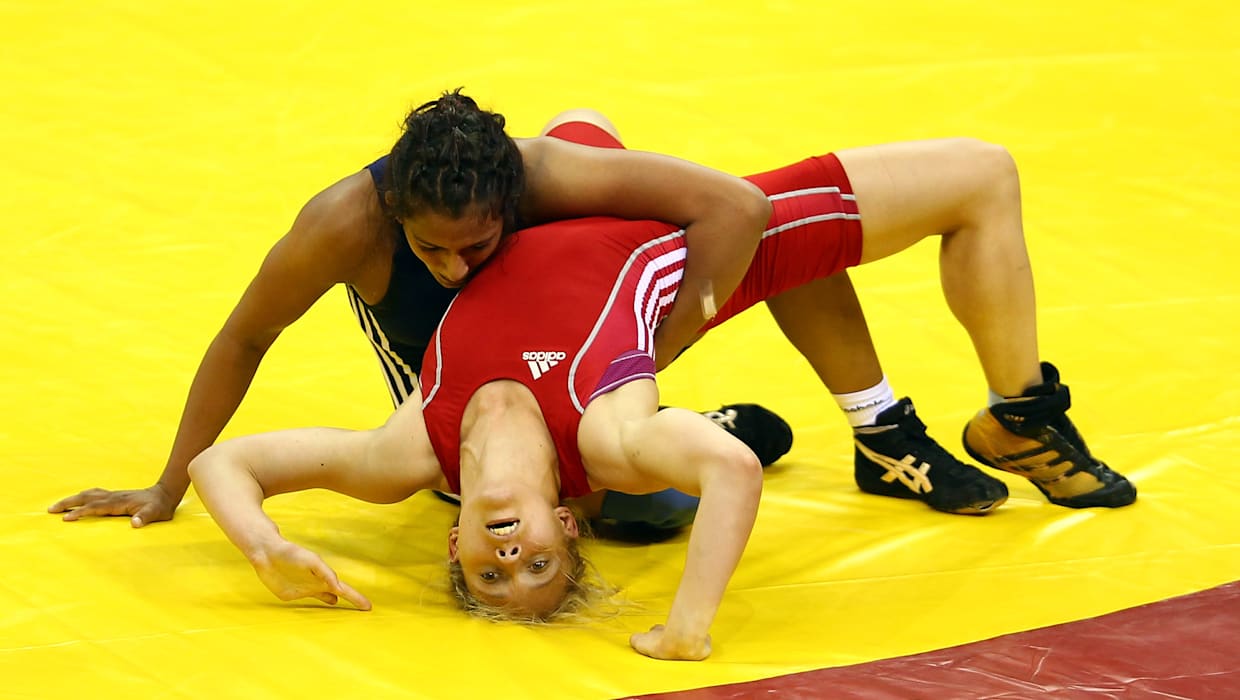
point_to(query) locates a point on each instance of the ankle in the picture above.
(861, 408)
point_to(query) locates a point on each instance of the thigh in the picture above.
(814, 232)
(907, 191)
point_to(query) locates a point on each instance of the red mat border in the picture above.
(1186, 647)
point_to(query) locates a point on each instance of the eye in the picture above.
(539, 565)
(481, 246)
(489, 576)
(428, 248)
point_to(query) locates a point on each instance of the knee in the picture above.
(994, 183)
(589, 116)
(994, 163)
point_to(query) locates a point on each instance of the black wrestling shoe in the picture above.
(895, 457)
(1031, 435)
(764, 432)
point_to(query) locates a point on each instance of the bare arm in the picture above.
(233, 478)
(323, 247)
(723, 216)
(686, 451)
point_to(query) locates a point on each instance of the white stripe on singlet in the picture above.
(662, 296)
(808, 191)
(438, 355)
(400, 377)
(811, 190)
(810, 220)
(647, 274)
(656, 277)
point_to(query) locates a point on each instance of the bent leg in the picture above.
(968, 192)
(824, 321)
(894, 456)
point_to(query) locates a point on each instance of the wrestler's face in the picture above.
(452, 249)
(514, 557)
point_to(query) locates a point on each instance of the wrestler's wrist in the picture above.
(684, 643)
(259, 551)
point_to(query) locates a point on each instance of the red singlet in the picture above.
(569, 309)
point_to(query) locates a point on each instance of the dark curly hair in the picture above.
(453, 156)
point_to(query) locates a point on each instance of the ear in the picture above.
(453, 534)
(567, 520)
(388, 198)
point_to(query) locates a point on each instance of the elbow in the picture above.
(755, 207)
(248, 348)
(209, 466)
(200, 466)
(732, 480)
(749, 469)
(740, 205)
(742, 472)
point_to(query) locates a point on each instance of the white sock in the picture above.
(992, 398)
(862, 407)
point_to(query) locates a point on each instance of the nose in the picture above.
(455, 268)
(509, 553)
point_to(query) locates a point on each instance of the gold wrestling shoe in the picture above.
(1032, 436)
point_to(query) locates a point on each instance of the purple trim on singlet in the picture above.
(628, 367)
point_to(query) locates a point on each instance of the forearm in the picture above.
(719, 250)
(220, 384)
(673, 447)
(686, 451)
(725, 518)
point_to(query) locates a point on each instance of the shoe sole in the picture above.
(981, 506)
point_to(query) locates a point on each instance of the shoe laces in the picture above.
(907, 428)
(911, 426)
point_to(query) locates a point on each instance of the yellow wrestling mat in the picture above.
(153, 152)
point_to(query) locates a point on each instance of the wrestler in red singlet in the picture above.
(569, 309)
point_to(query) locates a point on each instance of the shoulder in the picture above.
(533, 156)
(347, 206)
(345, 218)
(557, 172)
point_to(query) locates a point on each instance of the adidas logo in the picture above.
(540, 361)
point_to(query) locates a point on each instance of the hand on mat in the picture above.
(658, 644)
(293, 572)
(145, 506)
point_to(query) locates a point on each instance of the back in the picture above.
(569, 310)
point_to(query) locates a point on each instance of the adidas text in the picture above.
(540, 361)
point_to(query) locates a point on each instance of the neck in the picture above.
(506, 448)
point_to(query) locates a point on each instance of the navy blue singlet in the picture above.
(400, 324)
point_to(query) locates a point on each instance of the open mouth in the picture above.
(503, 527)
